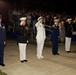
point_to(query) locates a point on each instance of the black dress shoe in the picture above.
(54, 54)
(68, 51)
(25, 60)
(22, 61)
(2, 64)
(57, 53)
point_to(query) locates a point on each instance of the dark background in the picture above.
(59, 6)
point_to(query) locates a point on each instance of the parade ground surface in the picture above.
(63, 64)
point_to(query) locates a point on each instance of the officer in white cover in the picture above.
(40, 37)
(22, 39)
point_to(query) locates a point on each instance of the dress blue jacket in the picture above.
(54, 33)
(2, 33)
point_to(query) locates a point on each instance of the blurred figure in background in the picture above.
(62, 31)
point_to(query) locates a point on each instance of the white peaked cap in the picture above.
(57, 20)
(23, 18)
(39, 18)
(69, 19)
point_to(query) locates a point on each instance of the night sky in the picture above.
(56, 5)
(59, 6)
(52, 5)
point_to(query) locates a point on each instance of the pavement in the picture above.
(63, 64)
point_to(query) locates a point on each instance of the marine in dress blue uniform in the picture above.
(54, 37)
(68, 34)
(2, 41)
(22, 40)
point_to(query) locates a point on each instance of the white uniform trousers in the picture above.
(22, 49)
(67, 43)
(40, 45)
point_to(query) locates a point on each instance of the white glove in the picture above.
(27, 41)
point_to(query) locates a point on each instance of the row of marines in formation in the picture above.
(22, 40)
